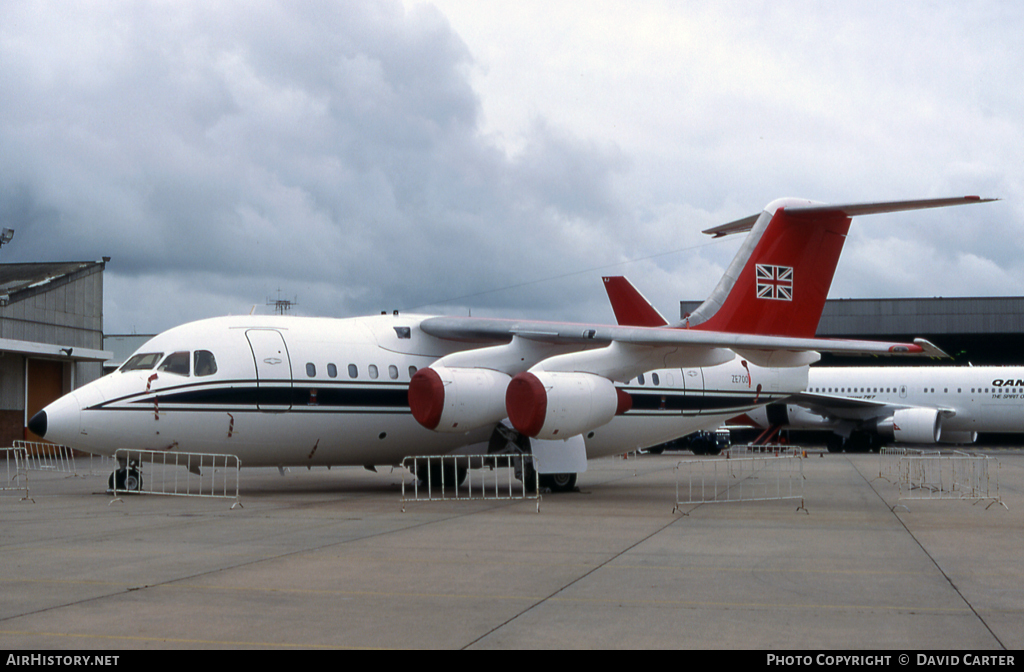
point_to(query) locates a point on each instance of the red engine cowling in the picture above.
(556, 405)
(457, 400)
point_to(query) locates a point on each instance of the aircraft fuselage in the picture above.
(293, 391)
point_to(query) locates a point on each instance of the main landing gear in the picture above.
(558, 482)
(508, 441)
(857, 442)
(446, 475)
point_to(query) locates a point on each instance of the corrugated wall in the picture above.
(68, 314)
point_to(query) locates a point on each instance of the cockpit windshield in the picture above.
(176, 363)
(142, 362)
(201, 362)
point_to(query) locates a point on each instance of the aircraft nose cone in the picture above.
(37, 425)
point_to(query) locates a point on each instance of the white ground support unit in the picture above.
(150, 472)
(14, 469)
(487, 477)
(960, 476)
(745, 479)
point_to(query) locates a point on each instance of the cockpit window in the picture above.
(176, 363)
(205, 363)
(142, 362)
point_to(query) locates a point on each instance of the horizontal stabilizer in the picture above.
(848, 210)
(779, 279)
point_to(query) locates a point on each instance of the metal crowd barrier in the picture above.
(889, 460)
(43, 456)
(491, 477)
(950, 477)
(765, 449)
(178, 474)
(15, 472)
(745, 479)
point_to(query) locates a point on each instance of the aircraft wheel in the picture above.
(558, 482)
(129, 479)
(133, 480)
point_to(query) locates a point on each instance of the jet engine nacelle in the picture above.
(557, 405)
(913, 425)
(456, 400)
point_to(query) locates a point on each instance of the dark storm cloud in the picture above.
(330, 149)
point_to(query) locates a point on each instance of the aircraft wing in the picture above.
(853, 408)
(750, 346)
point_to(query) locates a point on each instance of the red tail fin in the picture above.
(778, 282)
(779, 287)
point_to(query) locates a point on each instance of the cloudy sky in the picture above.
(498, 157)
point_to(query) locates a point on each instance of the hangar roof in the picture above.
(20, 281)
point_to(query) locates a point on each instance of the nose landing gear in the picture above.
(126, 479)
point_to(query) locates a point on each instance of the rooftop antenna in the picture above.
(282, 306)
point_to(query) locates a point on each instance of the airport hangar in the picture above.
(51, 337)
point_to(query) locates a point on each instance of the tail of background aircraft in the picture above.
(778, 281)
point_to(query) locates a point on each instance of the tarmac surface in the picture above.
(328, 559)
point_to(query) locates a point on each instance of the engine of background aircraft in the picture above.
(913, 425)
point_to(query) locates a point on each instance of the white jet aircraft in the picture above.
(292, 391)
(866, 406)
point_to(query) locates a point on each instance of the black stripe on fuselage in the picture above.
(270, 396)
(387, 398)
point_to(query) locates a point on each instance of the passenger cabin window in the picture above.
(332, 370)
(353, 371)
(311, 369)
(393, 372)
(412, 371)
(204, 363)
(142, 362)
(176, 363)
(373, 371)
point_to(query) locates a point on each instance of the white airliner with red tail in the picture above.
(293, 391)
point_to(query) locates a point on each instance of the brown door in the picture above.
(45, 385)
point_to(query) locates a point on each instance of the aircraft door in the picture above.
(273, 370)
(693, 386)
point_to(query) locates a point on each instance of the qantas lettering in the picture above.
(1009, 382)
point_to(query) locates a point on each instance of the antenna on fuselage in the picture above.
(282, 306)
